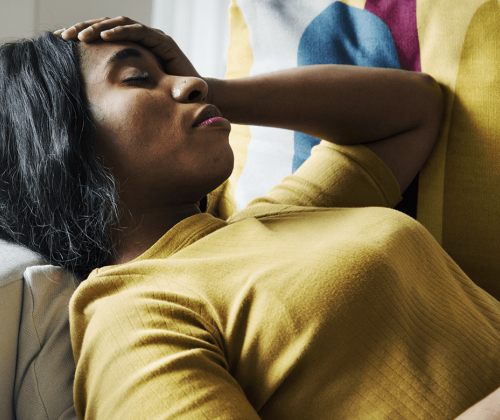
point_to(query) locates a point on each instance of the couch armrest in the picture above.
(11, 298)
(14, 259)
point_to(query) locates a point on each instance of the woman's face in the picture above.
(145, 127)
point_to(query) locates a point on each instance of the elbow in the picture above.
(433, 112)
(435, 96)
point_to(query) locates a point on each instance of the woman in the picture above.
(311, 302)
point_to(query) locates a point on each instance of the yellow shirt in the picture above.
(305, 305)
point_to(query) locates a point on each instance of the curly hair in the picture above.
(56, 198)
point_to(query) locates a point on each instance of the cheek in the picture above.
(133, 122)
(126, 118)
(135, 137)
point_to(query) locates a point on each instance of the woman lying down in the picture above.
(317, 301)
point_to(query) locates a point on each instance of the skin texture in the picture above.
(144, 119)
(165, 166)
(341, 104)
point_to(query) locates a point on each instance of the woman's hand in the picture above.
(125, 29)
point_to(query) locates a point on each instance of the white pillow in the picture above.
(44, 371)
(13, 261)
(45, 366)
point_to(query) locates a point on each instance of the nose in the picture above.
(189, 89)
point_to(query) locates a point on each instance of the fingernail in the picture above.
(108, 32)
(70, 31)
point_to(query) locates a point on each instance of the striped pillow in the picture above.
(457, 42)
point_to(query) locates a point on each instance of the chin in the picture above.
(218, 172)
(224, 166)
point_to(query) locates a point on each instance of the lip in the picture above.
(207, 112)
(215, 122)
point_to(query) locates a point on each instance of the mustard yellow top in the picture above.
(298, 307)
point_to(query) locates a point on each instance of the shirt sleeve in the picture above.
(144, 352)
(339, 176)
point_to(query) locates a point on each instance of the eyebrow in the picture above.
(127, 53)
(123, 55)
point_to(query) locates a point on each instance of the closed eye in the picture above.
(137, 79)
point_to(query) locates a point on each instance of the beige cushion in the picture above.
(10, 314)
(13, 261)
(45, 365)
(36, 361)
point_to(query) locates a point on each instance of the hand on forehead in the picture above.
(125, 29)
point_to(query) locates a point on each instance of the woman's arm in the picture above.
(147, 350)
(395, 113)
(341, 104)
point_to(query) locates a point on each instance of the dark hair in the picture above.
(56, 198)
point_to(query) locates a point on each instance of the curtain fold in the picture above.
(200, 28)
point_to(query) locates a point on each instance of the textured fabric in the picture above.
(471, 203)
(297, 307)
(14, 260)
(10, 314)
(45, 366)
(36, 361)
(457, 42)
(341, 34)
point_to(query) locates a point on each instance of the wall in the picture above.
(200, 27)
(25, 18)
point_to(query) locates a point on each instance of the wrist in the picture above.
(213, 96)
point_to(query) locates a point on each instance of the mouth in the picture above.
(207, 115)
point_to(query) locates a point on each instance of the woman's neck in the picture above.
(139, 231)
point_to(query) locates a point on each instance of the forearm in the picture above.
(342, 104)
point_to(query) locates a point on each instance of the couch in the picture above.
(455, 195)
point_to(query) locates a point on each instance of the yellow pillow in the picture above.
(457, 42)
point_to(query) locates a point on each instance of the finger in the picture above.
(153, 39)
(73, 31)
(93, 31)
(135, 32)
(157, 42)
(59, 31)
